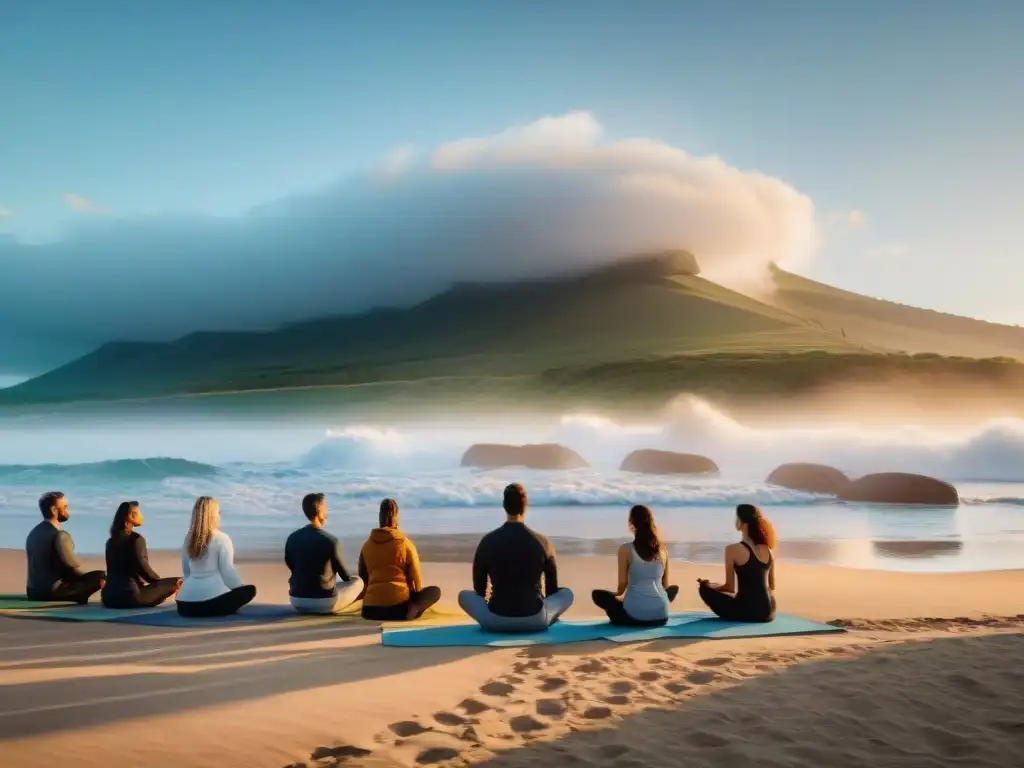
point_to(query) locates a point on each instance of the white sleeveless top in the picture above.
(645, 598)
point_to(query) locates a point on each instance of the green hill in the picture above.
(641, 326)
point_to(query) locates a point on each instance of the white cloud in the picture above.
(531, 201)
(5, 213)
(641, 194)
(855, 219)
(80, 204)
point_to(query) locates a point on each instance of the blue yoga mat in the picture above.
(710, 627)
(565, 631)
(254, 613)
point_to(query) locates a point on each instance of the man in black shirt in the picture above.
(514, 558)
(319, 583)
(54, 572)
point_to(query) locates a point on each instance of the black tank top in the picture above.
(752, 581)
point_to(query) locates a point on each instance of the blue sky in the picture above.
(909, 113)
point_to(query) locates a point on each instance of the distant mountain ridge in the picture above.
(650, 308)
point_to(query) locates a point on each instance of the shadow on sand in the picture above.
(120, 672)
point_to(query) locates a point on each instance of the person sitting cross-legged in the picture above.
(390, 567)
(644, 593)
(514, 559)
(54, 572)
(211, 585)
(131, 580)
(319, 581)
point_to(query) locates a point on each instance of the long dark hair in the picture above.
(645, 539)
(124, 511)
(759, 527)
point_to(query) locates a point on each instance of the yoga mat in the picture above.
(12, 602)
(565, 631)
(254, 613)
(712, 628)
(437, 614)
(91, 613)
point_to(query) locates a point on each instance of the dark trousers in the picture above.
(419, 601)
(222, 605)
(78, 589)
(610, 604)
(730, 608)
(146, 596)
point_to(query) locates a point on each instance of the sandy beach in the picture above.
(928, 673)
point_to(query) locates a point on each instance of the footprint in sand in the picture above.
(551, 707)
(553, 684)
(436, 755)
(341, 751)
(526, 724)
(650, 676)
(407, 728)
(701, 678)
(715, 661)
(514, 680)
(621, 686)
(591, 667)
(473, 707)
(597, 713)
(449, 718)
(617, 700)
(497, 689)
(675, 687)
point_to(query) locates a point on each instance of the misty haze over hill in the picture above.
(536, 200)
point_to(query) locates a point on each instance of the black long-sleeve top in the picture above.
(51, 559)
(128, 563)
(514, 558)
(314, 558)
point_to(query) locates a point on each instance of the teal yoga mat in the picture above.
(710, 627)
(14, 602)
(566, 631)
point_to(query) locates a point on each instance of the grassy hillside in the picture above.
(895, 326)
(643, 325)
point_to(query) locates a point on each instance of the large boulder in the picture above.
(654, 462)
(901, 488)
(812, 478)
(542, 456)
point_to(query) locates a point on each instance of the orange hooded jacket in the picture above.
(390, 567)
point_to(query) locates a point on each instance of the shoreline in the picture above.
(898, 556)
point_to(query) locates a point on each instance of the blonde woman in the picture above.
(212, 586)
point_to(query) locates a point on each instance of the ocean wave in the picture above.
(1000, 501)
(117, 470)
(464, 488)
(991, 451)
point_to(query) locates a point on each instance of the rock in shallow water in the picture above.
(901, 488)
(654, 462)
(541, 456)
(812, 478)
